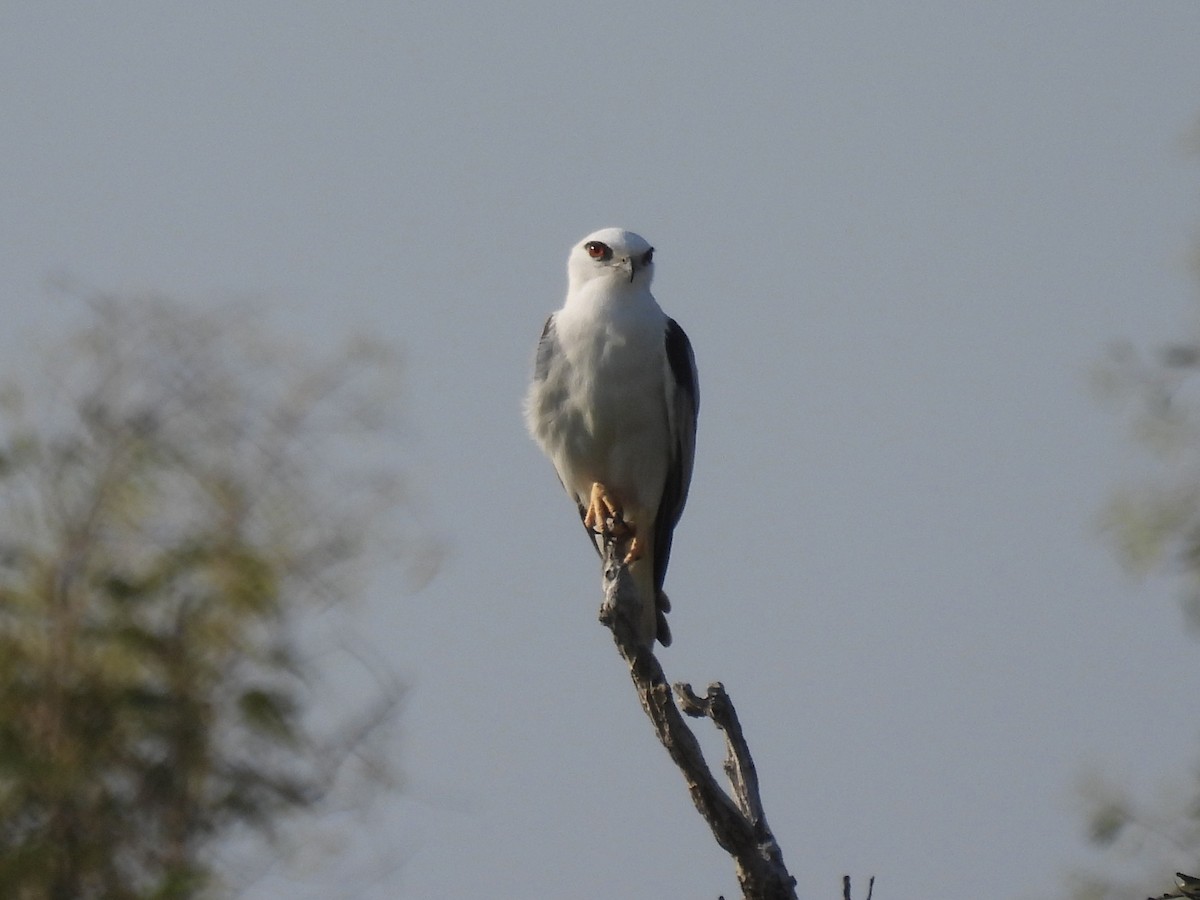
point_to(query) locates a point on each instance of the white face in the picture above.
(614, 255)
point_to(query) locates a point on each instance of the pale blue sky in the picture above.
(899, 236)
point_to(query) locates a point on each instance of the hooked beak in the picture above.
(628, 264)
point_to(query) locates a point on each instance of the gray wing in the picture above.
(546, 349)
(683, 404)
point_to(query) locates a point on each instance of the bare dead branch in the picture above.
(846, 887)
(737, 823)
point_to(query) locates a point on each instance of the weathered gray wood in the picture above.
(737, 822)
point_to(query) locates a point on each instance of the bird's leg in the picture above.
(603, 514)
(635, 551)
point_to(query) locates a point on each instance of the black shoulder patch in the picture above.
(679, 355)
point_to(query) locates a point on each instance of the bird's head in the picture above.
(612, 255)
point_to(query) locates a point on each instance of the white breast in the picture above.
(601, 413)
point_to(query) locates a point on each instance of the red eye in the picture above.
(597, 250)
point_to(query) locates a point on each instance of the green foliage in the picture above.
(1156, 528)
(1156, 525)
(1107, 821)
(162, 523)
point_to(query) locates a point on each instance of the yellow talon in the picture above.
(602, 506)
(635, 551)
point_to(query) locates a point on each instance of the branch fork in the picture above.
(737, 821)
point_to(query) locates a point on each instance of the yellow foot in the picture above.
(601, 508)
(635, 551)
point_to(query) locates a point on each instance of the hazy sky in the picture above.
(899, 237)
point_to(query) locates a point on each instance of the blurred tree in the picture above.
(1156, 528)
(170, 505)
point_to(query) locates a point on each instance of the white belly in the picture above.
(601, 416)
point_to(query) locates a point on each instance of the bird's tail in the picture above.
(662, 606)
(653, 604)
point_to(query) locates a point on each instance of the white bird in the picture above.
(613, 404)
